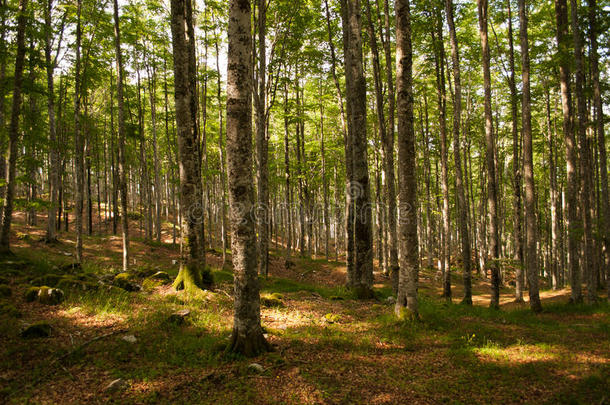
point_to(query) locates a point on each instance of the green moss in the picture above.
(75, 284)
(126, 282)
(332, 318)
(48, 279)
(272, 300)
(150, 284)
(32, 294)
(9, 310)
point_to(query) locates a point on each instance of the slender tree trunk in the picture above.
(223, 176)
(531, 268)
(153, 119)
(518, 238)
(78, 142)
(554, 195)
(122, 172)
(189, 155)
(406, 302)
(585, 166)
(247, 337)
(604, 225)
(262, 143)
(492, 187)
(462, 203)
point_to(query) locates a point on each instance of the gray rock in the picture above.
(117, 385)
(255, 368)
(179, 317)
(129, 338)
(390, 300)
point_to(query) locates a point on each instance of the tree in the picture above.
(561, 14)
(492, 187)
(190, 276)
(13, 130)
(462, 203)
(247, 337)
(528, 165)
(406, 301)
(361, 281)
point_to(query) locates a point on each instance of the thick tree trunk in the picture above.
(190, 276)
(362, 278)
(406, 302)
(531, 268)
(462, 203)
(561, 12)
(247, 337)
(492, 187)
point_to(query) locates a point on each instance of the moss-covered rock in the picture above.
(31, 294)
(332, 318)
(37, 330)
(5, 291)
(44, 295)
(50, 296)
(161, 276)
(150, 284)
(272, 300)
(75, 284)
(126, 282)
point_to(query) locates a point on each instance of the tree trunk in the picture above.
(262, 143)
(531, 268)
(247, 337)
(492, 186)
(122, 180)
(462, 203)
(362, 279)
(604, 225)
(78, 142)
(192, 263)
(406, 302)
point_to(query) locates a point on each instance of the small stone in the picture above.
(38, 330)
(179, 317)
(50, 296)
(255, 368)
(390, 300)
(117, 385)
(130, 338)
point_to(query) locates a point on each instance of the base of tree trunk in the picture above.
(404, 313)
(536, 306)
(363, 292)
(466, 301)
(519, 300)
(192, 277)
(249, 344)
(51, 241)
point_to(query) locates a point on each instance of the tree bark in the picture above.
(531, 268)
(190, 276)
(406, 302)
(462, 203)
(492, 186)
(78, 142)
(247, 337)
(362, 279)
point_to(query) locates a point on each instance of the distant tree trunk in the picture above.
(586, 173)
(78, 142)
(406, 302)
(51, 235)
(462, 203)
(604, 225)
(561, 12)
(531, 268)
(388, 147)
(556, 268)
(262, 143)
(3, 63)
(518, 238)
(122, 180)
(445, 255)
(362, 279)
(247, 337)
(287, 174)
(153, 122)
(189, 163)
(223, 175)
(492, 187)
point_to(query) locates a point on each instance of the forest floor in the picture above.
(329, 348)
